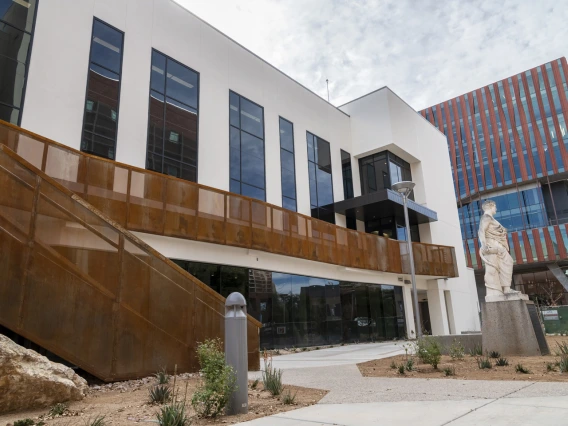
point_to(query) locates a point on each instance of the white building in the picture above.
(96, 80)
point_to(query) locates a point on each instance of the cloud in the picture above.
(427, 51)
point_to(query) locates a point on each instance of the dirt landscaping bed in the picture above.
(127, 403)
(468, 369)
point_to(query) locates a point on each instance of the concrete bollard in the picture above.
(236, 353)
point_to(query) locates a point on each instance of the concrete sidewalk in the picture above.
(357, 400)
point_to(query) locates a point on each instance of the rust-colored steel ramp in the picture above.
(81, 286)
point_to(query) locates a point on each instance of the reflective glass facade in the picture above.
(172, 118)
(297, 310)
(16, 35)
(320, 177)
(287, 165)
(100, 123)
(381, 171)
(508, 142)
(247, 169)
(347, 175)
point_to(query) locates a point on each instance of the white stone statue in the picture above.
(494, 252)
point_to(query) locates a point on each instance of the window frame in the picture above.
(240, 145)
(95, 19)
(293, 157)
(316, 165)
(152, 50)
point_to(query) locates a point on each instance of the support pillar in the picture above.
(408, 311)
(437, 308)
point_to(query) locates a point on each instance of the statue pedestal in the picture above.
(506, 297)
(511, 327)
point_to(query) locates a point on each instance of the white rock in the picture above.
(30, 380)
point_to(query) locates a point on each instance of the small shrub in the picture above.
(550, 366)
(58, 409)
(449, 371)
(428, 350)
(173, 415)
(317, 348)
(254, 384)
(304, 349)
(502, 362)
(409, 364)
(219, 382)
(563, 364)
(162, 376)
(160, 394)
(476, 351)
(562, 348)
(272, 378)
(288, 398)
(484, 363)
(494, 354)
(457, 350)
(401, 369)
(519, 368)
(98, 421)
(393, 365)
(24, 422)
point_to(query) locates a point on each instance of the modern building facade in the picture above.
(245, 178)
(508, 141)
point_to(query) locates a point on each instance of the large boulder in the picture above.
(30, 380)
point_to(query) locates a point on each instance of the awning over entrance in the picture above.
(381, 204)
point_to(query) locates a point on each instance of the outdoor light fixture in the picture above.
(404, 188)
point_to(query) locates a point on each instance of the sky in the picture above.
(426, 51)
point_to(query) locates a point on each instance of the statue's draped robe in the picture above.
(498, 261)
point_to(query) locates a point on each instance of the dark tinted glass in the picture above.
(181, 84)
(313, 184)
(19, 14)
(325, 190)
(347, 175)
(311, 154)
(106, 48)
(289, 203)
(288, 183)
(323, 155)
(286, 135)
(253, 192)
(252, 118)
(234, 116)
(12, 78)
(252, 146)
(252, 170)
(9, 114)
(235, 164)
(14, 43)
(287, 159)
(158, 76)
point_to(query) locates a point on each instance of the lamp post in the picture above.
(404, 188)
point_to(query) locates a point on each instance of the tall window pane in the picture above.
(173, 118)
(247, 169)
(288, 168)
(16, 24)
(103, 91)
(321, 182)
(347, 175)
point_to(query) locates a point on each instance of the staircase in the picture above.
(81, 286)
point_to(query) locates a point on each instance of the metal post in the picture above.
(236, 353)
(412, 274)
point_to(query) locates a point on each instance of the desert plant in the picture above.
(449, 371)
(409, 364)
(502, 362)
(162, 376)
(97, 421)
(562, 349)
(484, 363)
(550, 366)
(317, 348)
(563, 363)
(58, 409)
(160, 394)
(393, 365)
(254, 384)
(219, 381)
(457, 350)
(519, 368)
(401, 369)
(24, 422)
(288, 398)
(476, 351)
(428, 350)
(494, 354)
(173, 415)
(304, 349)
(272, 378)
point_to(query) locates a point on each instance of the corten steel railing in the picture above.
(150, 202)
(79, 285)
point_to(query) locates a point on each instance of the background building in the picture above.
(508, 141)
(242, 176)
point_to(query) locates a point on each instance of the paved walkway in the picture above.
(356, 400)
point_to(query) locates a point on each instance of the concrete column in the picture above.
(450, 311)
(408, 311)
(437, 308)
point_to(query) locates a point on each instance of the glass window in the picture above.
(380, 171)
(288, 168)
(173, 119)
(247, 168)
(320, 176)
(100, 122)
(347, 175)
(16, 23)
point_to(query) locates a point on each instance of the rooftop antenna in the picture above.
(327, 84)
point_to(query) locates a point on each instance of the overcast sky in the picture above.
(426, 51)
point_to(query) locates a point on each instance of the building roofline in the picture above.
(255, 55)
(496, 81)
